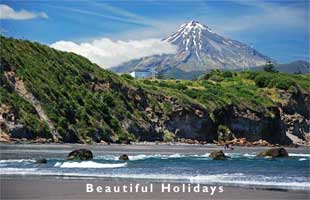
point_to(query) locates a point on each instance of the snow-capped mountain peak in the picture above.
(196, 41)
(192, 28)
(200, 49)
(189, 37)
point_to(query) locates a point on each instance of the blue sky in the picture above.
(278, 29)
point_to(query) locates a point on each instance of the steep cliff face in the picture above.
(253, 126)
(286, 123)
(294, 113)
(21, 90)
(295, 102)
(185, 121)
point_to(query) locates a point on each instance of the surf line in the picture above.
(150, 188)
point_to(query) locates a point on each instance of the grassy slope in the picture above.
(63, 83)
(254, 90)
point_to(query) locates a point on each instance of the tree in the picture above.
(269, 67)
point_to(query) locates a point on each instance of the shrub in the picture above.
(224, 133)
(283, 83)
(216, 78)
(168, 136)
(114, 124)
(147, 81)
(262, 80)
(274, 80)
(108, 99)
(125, 137)
(163, 84)
(227, 74)
(180, 86)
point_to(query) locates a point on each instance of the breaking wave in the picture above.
(88, 164)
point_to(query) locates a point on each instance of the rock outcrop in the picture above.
(81, 154)
(124, 157)
(20, 88)
(185, 121)
(253, 125)
(41, 161)
(294, 112)
(218, 155)
(289, 122)
(274, 152)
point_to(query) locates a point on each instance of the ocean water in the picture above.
(243, 169)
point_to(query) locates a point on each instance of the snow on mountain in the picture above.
(199, 49)
(189, 37)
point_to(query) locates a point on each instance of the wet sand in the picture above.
(50, 187)
(59, 188)
(29, 151)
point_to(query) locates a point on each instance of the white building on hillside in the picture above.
(141, 74)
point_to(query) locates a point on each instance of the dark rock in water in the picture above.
(81, 154)
(41, 161)
(218, 155)
(124, 157)
(274, 152)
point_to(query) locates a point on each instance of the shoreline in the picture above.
(46, 185)
(29, 187)
(33, 151)
(29, 142)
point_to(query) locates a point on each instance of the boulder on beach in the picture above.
(218, 155)
(80, 154)
(41, 161)
(261, 142)
(274, 152)
(124, 157)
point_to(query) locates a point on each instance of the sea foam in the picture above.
(299, 155)
(177, 155)
(144, 156)
(17, 160)
(88, 164)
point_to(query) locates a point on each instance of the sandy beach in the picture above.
(53, 188)
(29, 186)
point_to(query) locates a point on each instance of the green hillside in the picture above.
(254, 90)
(76, 94)
(84, 103)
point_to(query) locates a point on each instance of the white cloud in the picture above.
(6, 12)
(107, 53)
